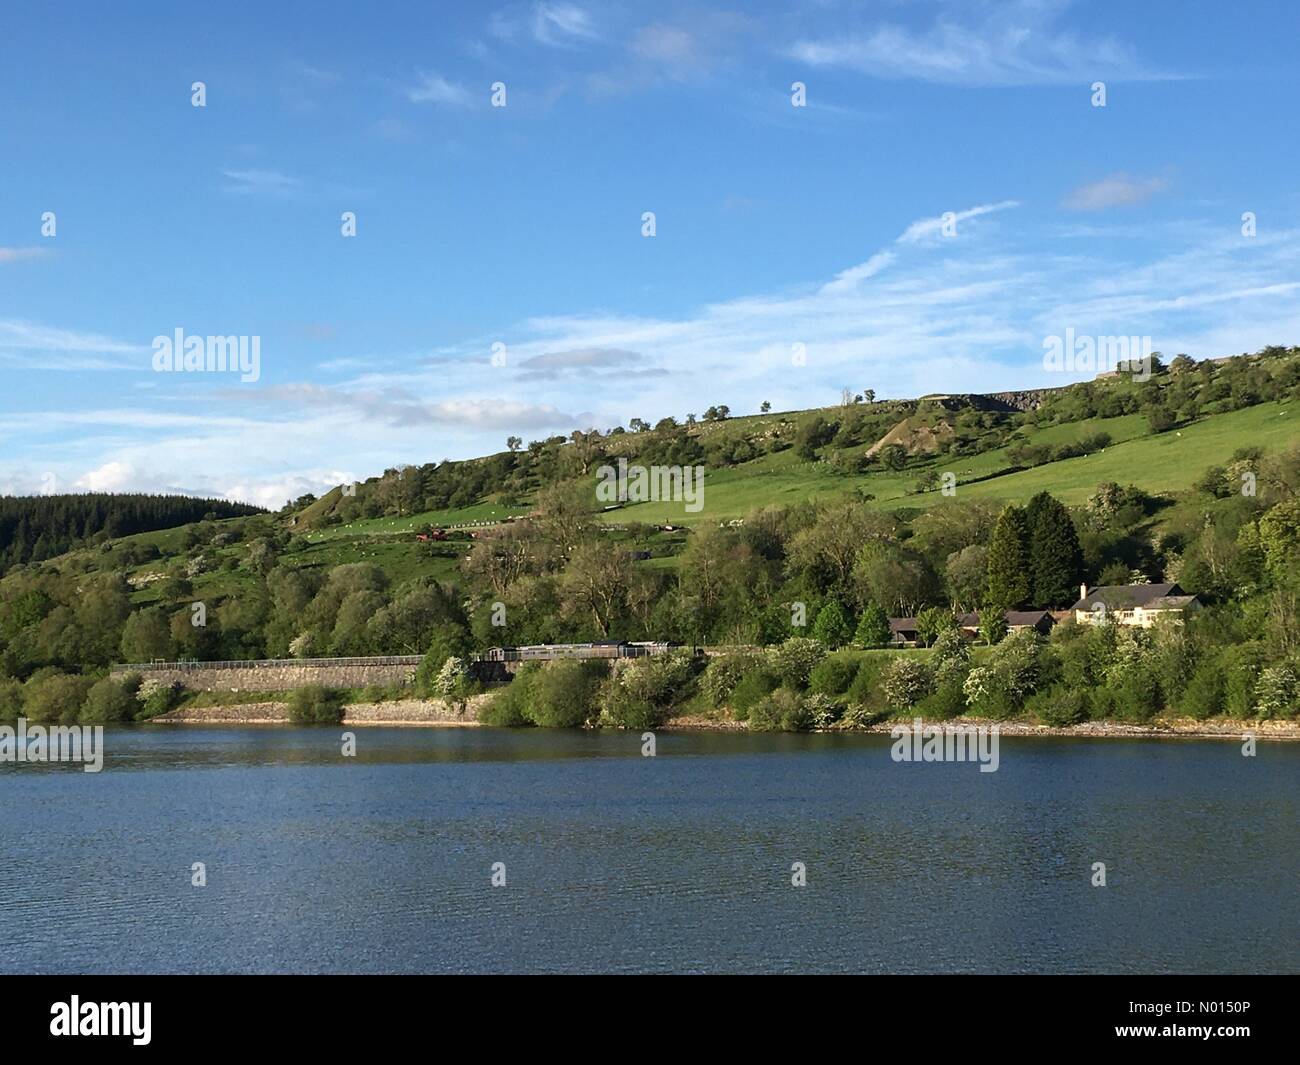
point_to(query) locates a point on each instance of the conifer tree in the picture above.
(1008, 582)
(1055, 557)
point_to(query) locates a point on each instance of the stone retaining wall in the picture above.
(274, 678)
(396, 712)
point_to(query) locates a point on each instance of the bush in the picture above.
(781, 711)
(1241, 677)
(947, 700)
(315, 704)
(1060, 706)
(1137, 697)
(755, 687)
(639, 693)
(906, 682)
(108, 702)
(56, 698)
(834, 673)
(723, 674)
(449, 641)
(562, 694)
(793, 660)
(157, 696)
(1204, 695)
(1275, 693)
(507, 706)
(11, 699)
(823, 710)
(864, 691)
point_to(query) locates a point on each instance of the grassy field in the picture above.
(1165, 463)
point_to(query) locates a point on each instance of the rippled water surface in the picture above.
(617, 862)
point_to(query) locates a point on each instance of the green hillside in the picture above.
(817, 523)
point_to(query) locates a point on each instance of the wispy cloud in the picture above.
(39, 347)
(930, 228)
(14, 255)
(260, 183)
(435, 89)
(561, 24)
(1016, 43)
(1118, 190)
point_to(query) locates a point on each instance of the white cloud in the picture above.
(434, 89)
(31, 346)
(110, 477)
(561, 24)
(927, 228)
(1118, 190)
(917, 315)
(847, 280)
(1006, 44)
(260, 182)
(14, 255)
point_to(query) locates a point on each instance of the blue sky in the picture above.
(521, 225)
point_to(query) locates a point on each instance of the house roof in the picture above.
(1172, 602)
(1126, 596)
(902, 624)
(1014, 618)
(1027, 617)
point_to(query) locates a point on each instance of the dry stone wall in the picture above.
(282, 675)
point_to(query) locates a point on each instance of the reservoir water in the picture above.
(615, 862)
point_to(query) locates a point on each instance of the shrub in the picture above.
(947, 700)
(1243, 664)
(453, 681)
(753, 688)
(563, 693)
(506, 708)
(449, 641)
(11, 699)
(57, 697)
(1137, 696)
(857, 716)
(834, 673)
(823, 710)
(781, 711)
(1275, 692)
(793, 660)
(314, 704)
(108, 702)
(723, 674)
(639, 693)
(1060, 706)
(1204, 695)
(906, 681)
(157, 696)
(864, 690)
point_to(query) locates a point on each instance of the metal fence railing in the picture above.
(272, 663)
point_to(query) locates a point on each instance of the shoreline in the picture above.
(432, 713)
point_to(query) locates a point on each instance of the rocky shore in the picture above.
(412, 712)
(396, 712)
